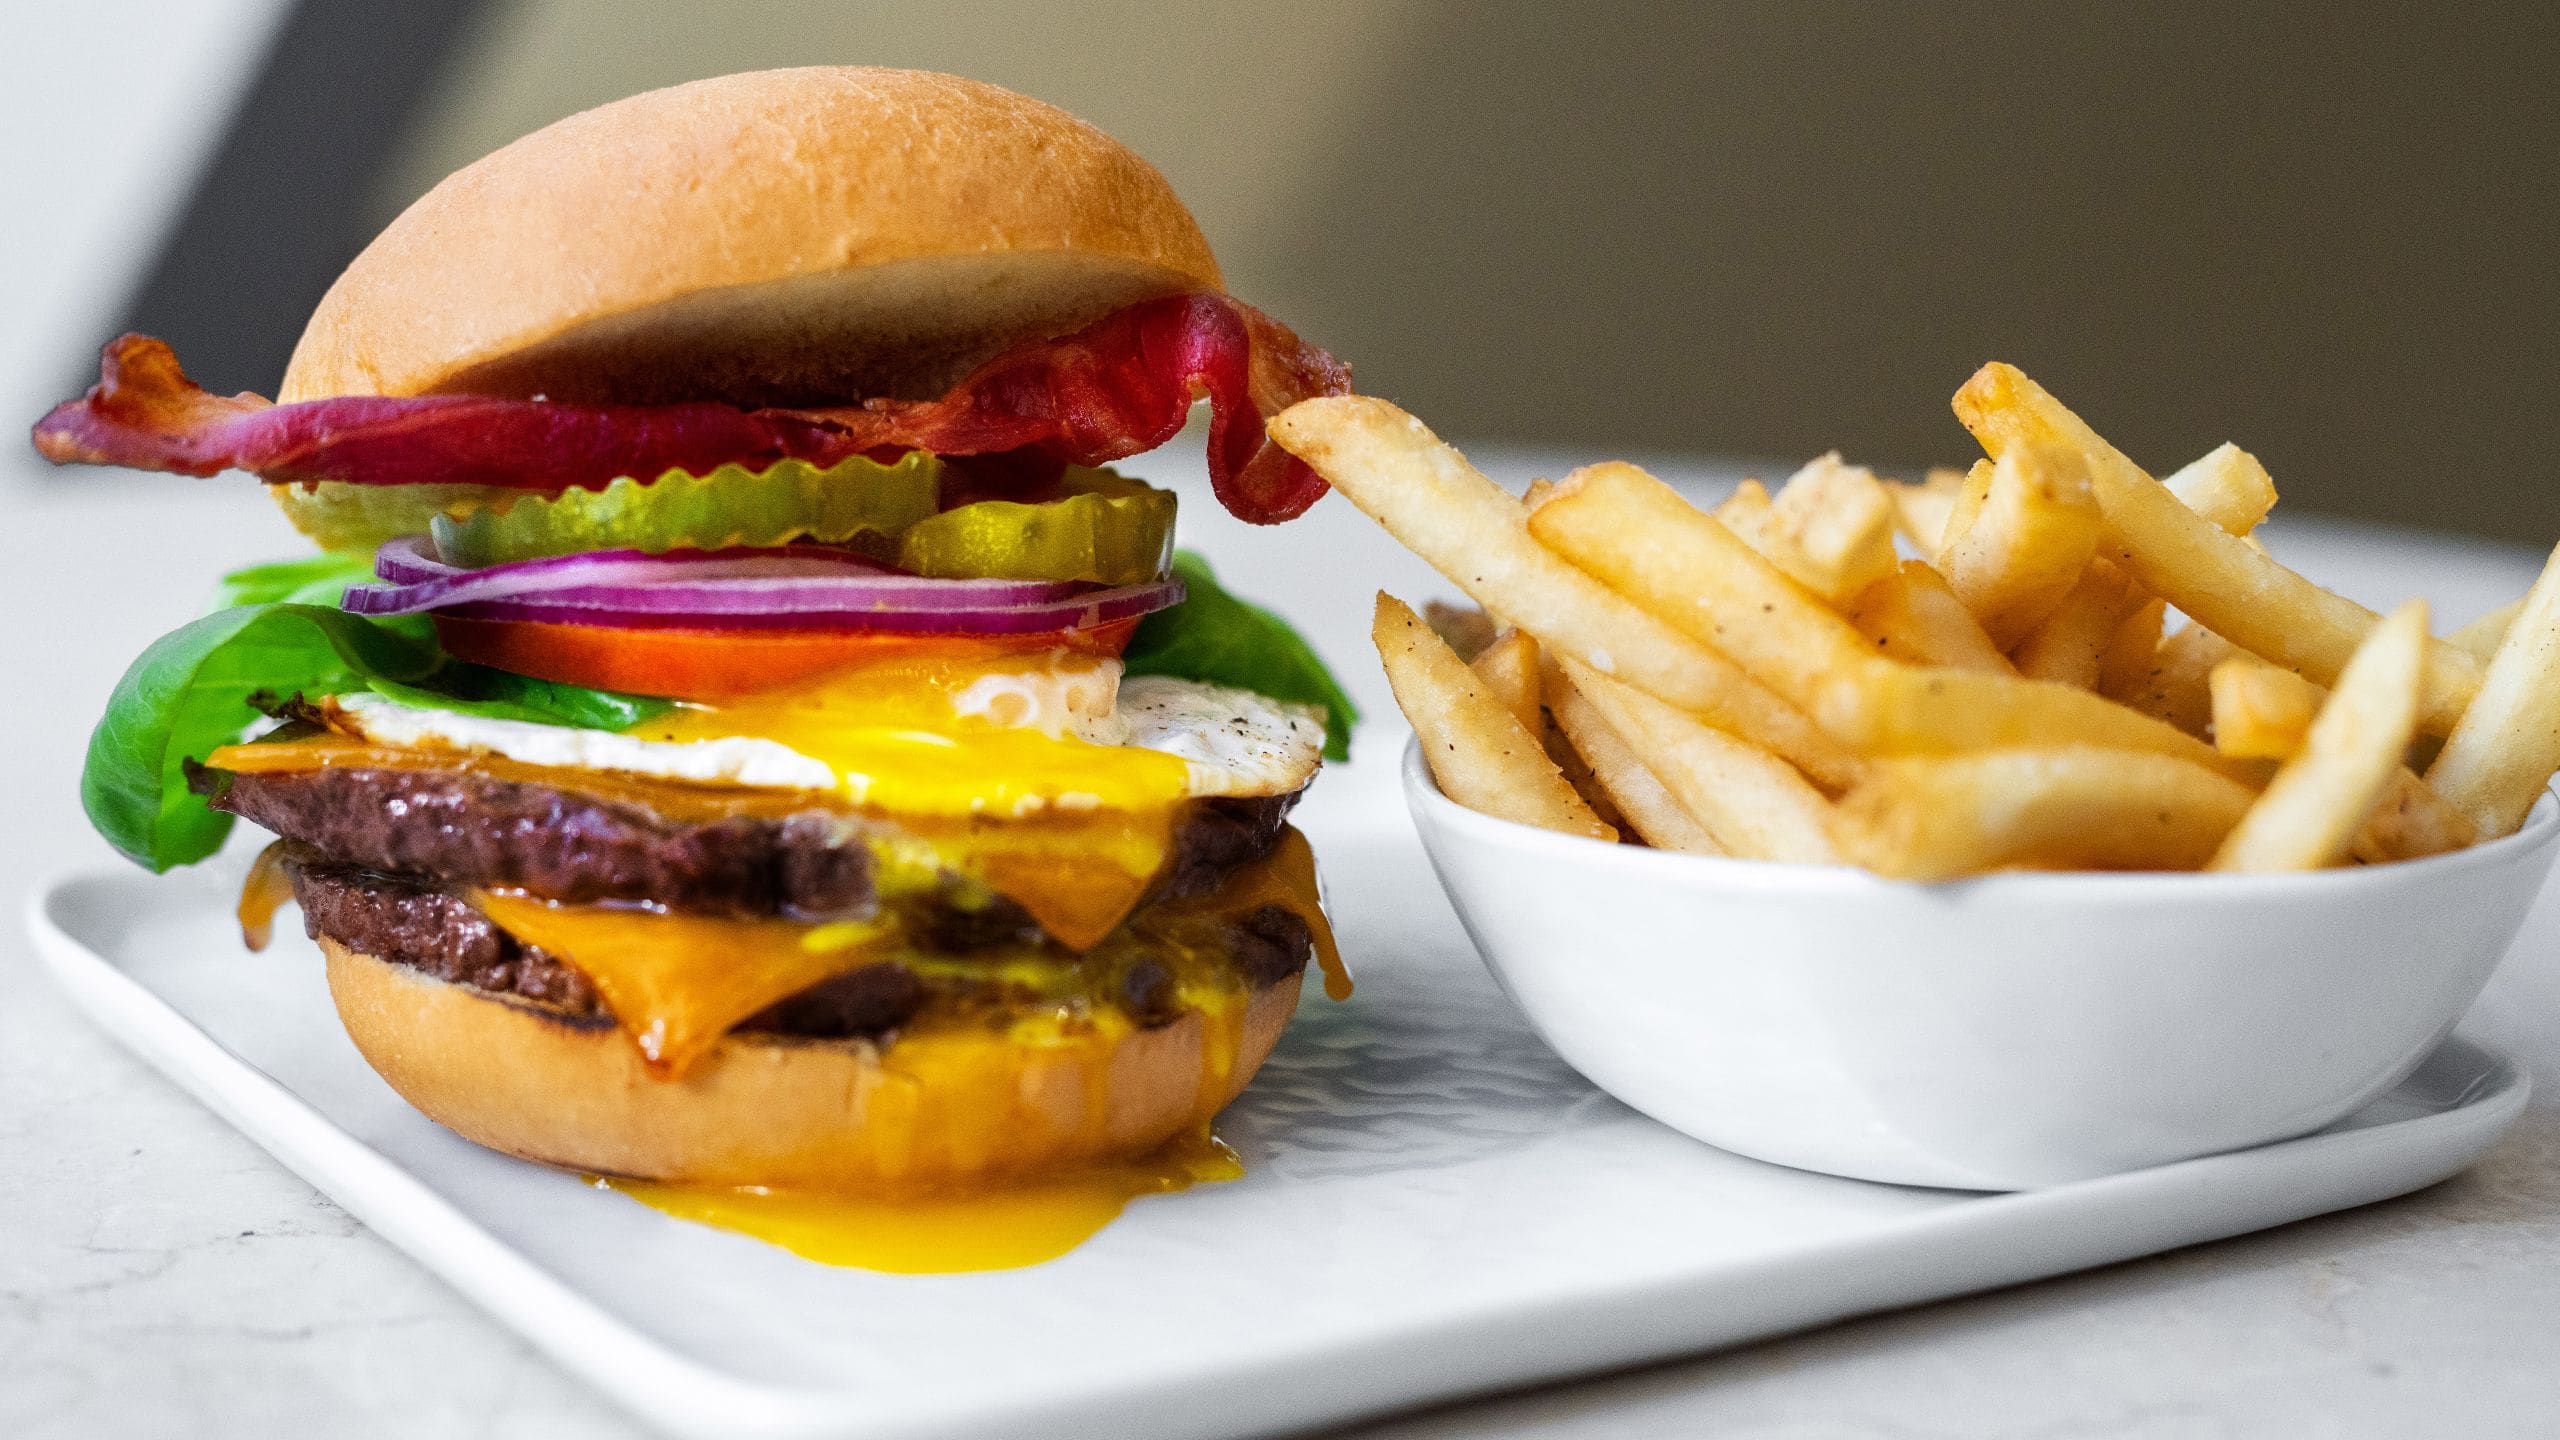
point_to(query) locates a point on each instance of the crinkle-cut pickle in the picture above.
(1111, 530)
(730, 507)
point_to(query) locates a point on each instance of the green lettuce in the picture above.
(200, 687)
(305, 579)
(1217, 637)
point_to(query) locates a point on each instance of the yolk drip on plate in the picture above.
(1003, 1229)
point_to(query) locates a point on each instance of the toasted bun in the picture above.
(779, 237)
(767, 1110)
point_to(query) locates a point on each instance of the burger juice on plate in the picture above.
(739, 741)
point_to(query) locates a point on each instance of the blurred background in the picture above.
(1749, 229)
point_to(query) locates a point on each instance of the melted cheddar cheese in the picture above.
(676, 982)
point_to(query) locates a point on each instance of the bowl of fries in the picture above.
(1999, 1033)
(2009, 827)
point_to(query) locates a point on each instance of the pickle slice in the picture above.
(730, 507)
(1105, 528)
(343, 516)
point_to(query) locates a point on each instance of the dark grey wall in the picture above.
(2327, 232)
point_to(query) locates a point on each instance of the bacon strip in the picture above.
(1117, 388)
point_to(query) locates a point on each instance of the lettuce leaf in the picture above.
(1215, 636)
(305, 579)
(200, 687)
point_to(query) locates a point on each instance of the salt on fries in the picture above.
(1770, 681)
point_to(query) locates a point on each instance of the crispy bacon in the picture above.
(1117, 388)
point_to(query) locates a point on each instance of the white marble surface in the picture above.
(160, 1276)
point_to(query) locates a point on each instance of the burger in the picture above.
(736, 730)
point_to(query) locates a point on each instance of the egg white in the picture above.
(1234, 742)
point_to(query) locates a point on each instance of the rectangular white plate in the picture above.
(1436, 1205)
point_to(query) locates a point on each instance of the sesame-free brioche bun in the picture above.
(772, 1110)
(784, 237)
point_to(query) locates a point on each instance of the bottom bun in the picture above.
(932, 1111)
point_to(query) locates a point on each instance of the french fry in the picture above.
(1467, 629)
(2481, 636)
(2103, 633)
(1637, 535)
(1971, 492)
(1509, 669)
(2069, 646)
(1578, 774)
(1753, 518)
(2217, 578)
(2177, 690)
(2072, 806)
(2026, 546)
(1912, 616)
(1752, 803)
(2259, 711)
(1921, 507)
(1478, 752)
(2500, 759)
(1652, 811)
(2127, 664)
(2311, 812)
(2411, 821)
(2262, 712)
(2227, 486)
(1838, 519)
(1426, 495)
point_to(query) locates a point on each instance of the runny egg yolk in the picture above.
(954, 735)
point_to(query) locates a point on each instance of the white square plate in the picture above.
(1436, 1205)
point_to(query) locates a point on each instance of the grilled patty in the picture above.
(468, 829)
(411, 921)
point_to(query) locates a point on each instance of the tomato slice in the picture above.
(722, 664)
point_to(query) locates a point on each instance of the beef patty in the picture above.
(411, 921)
(469, 829)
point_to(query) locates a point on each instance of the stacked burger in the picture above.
(737, 732)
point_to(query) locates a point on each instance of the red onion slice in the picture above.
(1077, 612)
(792, 587)
(788, 580)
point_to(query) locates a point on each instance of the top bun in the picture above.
(781, 237)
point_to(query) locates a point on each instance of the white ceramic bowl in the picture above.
(1993, 1034)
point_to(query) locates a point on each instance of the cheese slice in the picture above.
(677, 982)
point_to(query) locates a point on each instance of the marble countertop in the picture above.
(161, 1275)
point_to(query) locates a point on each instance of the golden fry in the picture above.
(2482, 636)
(1639, 536)
(2409, 822)
(1509, 669)
(2259, 711)
(2058, 807)
(2215, 577)
(1913, 616)
(2226, 486)
(2127, 664)
(1921, 508)
(2024, 549)
(2500, 759)
(1752, 803)
(2069, 646)
(2311, 812)
(1478, 752)
(1441, 508)
(2178, 691)
(1651, 810)
(1466, 628)
(1838, 522)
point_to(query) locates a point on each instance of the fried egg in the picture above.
(1064, 733)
